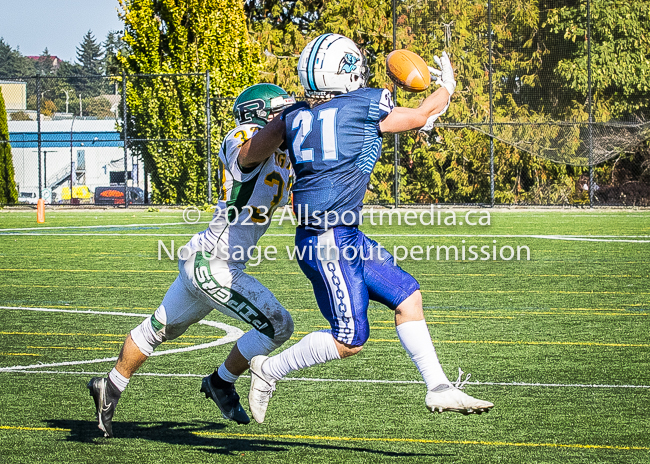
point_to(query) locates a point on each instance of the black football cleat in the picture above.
(106, 397)
(226, 399)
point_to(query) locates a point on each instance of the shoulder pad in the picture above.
(294, 107)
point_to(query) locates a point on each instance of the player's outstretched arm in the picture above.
(403, 119)
(263, 144)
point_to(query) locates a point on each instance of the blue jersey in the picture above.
(333, 149)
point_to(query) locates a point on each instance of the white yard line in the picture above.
(232, 334)
(577, 238)
(371, 381)
(102, 226)
(97, 234)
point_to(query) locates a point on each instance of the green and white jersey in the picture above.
(247, 200)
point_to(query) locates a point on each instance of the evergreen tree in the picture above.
(620, 52)
(89, 66)
(8, 191)
(89, 55)
(112, 46)
(45, 64)
(13, 63)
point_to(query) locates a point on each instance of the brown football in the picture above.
(408, 70)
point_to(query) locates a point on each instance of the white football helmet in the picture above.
(332, 64)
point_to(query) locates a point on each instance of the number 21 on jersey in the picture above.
(327, 148)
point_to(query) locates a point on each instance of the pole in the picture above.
(396, 136)
(45, 169)
(590, 108)
(208, 133)
(71, 160)
(126, 201)
(491, 109)
(146, 182)
(38, 130)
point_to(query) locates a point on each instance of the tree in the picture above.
(98, 107)
(620, 50)
(45, 64)
(89, 66)
(193, 36)
(89, 55)
(113, 45)
(13, 63)
(8, 191)
(284, 27)
(539, 77)
(20, 116)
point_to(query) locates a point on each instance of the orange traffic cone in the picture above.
(40, 211)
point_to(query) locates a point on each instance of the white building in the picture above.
(87, 151)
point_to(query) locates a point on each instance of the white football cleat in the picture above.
(262, 388)
(449, 398)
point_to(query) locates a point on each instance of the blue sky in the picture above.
(59, 25)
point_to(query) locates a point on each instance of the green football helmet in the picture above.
(257, 102)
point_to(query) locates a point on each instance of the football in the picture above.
(408, 70)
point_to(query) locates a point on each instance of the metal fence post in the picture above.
(126, 200)
(38, 135)
(146, 183)
(71, 159)
(590, 108)
(397, 179)
(208, 134)
(491, 109)
(396, 136)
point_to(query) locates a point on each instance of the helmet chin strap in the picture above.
(317, 95)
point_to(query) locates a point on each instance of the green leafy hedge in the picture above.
(193, 36)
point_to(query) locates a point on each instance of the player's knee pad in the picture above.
(254, 343)
(283, 328)
(173, 331)
(150, 333)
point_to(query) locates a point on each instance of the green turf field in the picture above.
(559, 343)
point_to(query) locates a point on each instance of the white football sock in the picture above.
(226, 375)
(315, 348)
(118, 380)
(416, 340)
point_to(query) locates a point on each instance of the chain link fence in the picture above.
(519, 130)
(552, 111)
(66, 142)
(71, 144)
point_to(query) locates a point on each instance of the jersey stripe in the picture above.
(312, 59)
(371, 143)
(337, 285)
(223, 192)
(240, 194)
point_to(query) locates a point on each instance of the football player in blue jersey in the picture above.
(333, 148)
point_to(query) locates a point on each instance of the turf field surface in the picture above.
(559, 343)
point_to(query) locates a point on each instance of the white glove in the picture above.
(445, 75)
